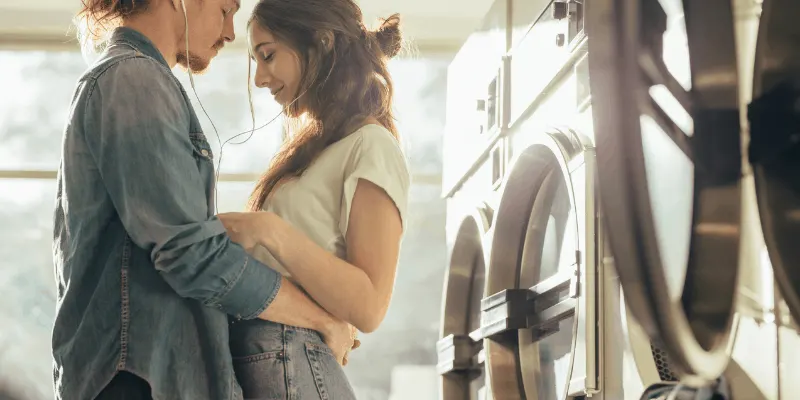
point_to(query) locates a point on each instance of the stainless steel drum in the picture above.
(460, 357)
(775, 141)
(669, 168)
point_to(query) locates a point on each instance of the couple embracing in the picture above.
(158, 297)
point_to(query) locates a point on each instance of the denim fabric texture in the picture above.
(279, 362)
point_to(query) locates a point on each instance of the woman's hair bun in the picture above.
(389, 36)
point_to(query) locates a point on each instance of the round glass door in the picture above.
(534, 246)
(775, 141)
(549, 250)
(464, 378)
(669, 168)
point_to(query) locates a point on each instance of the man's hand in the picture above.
(340, 336)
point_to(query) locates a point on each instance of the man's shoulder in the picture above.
(127, 82)
(127, 66)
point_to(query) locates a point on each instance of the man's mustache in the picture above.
(219, 45)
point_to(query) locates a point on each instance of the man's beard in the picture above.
(196, 64)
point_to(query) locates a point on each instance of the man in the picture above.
(146, 275)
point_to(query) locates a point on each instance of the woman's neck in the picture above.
(362, 123)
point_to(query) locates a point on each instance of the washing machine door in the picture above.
(460, 357)
(775, 141)
(664, 81)
(529, 322)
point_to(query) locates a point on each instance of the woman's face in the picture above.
(277, 65)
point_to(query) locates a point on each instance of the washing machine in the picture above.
(519, 315)
(680, 199)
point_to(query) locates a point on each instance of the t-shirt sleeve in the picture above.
(376, 157)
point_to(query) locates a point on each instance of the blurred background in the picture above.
(40, 61)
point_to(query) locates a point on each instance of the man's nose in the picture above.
(228, 33)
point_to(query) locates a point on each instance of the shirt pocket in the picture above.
(201, 149)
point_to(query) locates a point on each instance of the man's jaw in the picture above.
(198, 64)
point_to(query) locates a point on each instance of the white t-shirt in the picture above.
(318, 202)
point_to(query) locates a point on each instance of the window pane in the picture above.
(37, 87)
(420, 92)
(28, 286)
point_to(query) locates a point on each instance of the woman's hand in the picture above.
(340, 336)
(245, 228)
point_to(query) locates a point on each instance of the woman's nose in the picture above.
(262, 78)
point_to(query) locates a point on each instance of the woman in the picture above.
(329, 211)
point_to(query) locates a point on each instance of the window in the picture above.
(38, 87)
(28, 286)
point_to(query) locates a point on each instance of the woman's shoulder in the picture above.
(375, 136)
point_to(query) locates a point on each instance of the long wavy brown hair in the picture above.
(345, 79)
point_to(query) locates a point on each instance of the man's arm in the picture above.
(136, 129)
(294, 307)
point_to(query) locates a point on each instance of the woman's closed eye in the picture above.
(267, 56)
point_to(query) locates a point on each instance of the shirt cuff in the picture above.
(256, 278)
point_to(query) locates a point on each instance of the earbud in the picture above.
(326, 39)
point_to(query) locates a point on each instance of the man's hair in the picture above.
(344, 79)
(97, 18)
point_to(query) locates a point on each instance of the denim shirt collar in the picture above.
(138, 41)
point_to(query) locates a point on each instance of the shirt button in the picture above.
(204, 152)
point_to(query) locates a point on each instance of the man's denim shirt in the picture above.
(146, 275)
